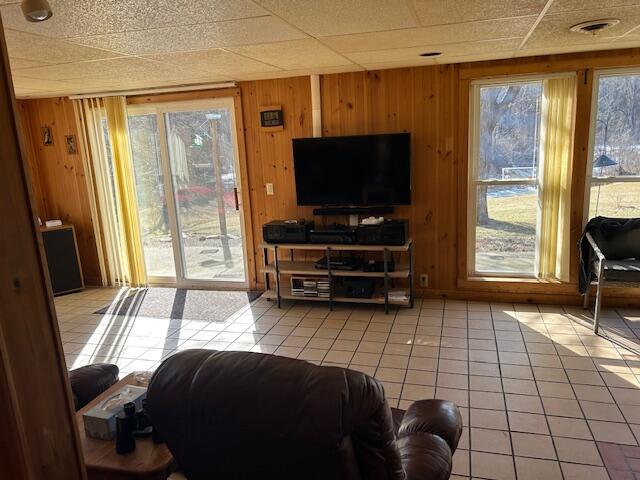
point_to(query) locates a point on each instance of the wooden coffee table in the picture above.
(148, 461)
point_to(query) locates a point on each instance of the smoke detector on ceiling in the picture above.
(594, 27)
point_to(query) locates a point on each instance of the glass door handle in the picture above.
(235, 196)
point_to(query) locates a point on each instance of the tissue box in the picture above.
(100, 421)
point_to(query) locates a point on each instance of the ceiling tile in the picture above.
(435, 35)
(18, 63)
(527, 52)
(43, 85)
(399, 64)
(478, 57)
(195, 37)
(302, 72)
(73, 18)
(437, 12)
(450, 49)
(559, 6)
(337, 17)
(624, 42)
(213, 62)
(630, 35)
(105, 70)
(553, 30)
(47, 50)
(293, 54)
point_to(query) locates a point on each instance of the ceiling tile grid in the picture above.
(110, 45)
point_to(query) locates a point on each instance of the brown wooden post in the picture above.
(38, 435)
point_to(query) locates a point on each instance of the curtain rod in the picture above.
(153, 91)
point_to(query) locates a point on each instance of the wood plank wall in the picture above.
(421, 101)
(430, 102)
(269, 154)
(57, 178)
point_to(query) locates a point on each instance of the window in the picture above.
(614, 187)
(521, 135)
(504, 177)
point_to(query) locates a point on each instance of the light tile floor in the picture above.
(536, 387)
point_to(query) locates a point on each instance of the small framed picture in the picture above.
(72, 147)
(47, 136)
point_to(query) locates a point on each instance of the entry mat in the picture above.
(179, 303)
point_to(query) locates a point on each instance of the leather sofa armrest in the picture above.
(424, 455)
(428, 436)
(90, 381)
(437, 417)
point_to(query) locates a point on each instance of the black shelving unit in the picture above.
(274, 267)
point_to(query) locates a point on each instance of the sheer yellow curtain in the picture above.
(556, 137)
(116, 113)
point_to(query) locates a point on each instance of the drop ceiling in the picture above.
(111, 45)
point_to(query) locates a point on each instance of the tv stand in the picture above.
(386, 295)
(352, 210)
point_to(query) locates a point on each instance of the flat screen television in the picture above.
(355, 170)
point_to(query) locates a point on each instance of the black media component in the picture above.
(358, 287)
(342, 262)
(389, 232)
(336, 233)
(378, 266)
(356, 170)
(286, 231)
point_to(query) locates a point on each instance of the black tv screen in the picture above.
(354, 170)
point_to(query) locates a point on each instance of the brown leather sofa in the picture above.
(241, 415)
(90, 381)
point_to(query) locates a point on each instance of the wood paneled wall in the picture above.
(58, 178)
(421, 101)
(430, 102)
(268, 153)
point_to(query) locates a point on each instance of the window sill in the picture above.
(517, 285)
(497, 279)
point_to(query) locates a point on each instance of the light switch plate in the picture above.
(269, 188)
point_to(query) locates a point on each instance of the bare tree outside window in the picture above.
(506, 170)
(616, 154)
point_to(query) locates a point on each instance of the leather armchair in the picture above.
(90, 381)
(242, 415)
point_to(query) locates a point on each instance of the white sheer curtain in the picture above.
(103, 194)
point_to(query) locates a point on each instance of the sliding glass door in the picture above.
(185, 162)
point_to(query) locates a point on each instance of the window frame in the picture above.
(472, 170)
(595, 91)
(473, 182)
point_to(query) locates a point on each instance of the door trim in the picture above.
(244, 198)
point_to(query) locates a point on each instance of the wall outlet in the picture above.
(269, 188)
(424, 280)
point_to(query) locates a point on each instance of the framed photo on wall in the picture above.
(72, 146)
(47, 136)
